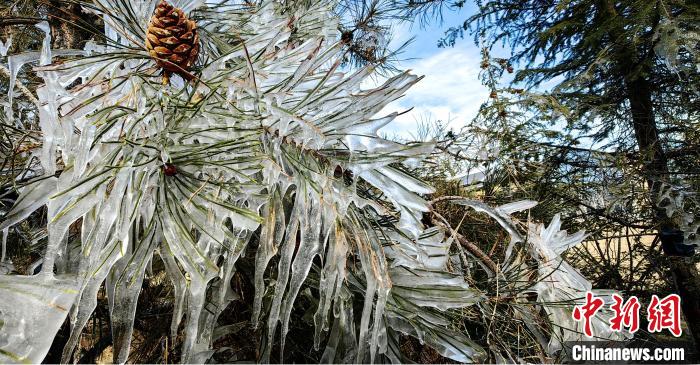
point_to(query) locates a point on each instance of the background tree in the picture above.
(601, 121)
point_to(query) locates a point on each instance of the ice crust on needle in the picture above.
(560, 287)
(32, 310)
(5, 46)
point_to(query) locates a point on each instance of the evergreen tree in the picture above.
(617, 133)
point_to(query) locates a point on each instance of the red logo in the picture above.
(665, 313)
(586, 311)
(661, 313)
(626, 315)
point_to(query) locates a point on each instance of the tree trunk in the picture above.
(685, 274)
(638, 92)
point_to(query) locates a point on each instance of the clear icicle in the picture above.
(31, 198)
(125, 282)
(195, 305)
(180, 286)
(332, 278)
(269, 240)
(45, 58)
(310, 243)
(370, 290)
(5, 232)
(14, 64)
(5, 46)
(342, 341)
(378, 329)
(285, 263)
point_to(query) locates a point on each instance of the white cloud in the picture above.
(450, 91)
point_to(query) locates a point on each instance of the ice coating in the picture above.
(31, 312)
(14, 64)
(561, 283)
(275, 147)
(5, 46)
(5, 232)
(678, 202)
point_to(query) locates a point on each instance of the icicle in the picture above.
(342, 341)
(126, 283)
(378, 328)
(180, 285)
(101, 255)
(429, 288)
(283, 267)
(560, 283)
(396, 190)
(6, 266)
(271, 236)
(378, 282)
(518, 206)
(370, 290)
(195, 305)
(221, 295)
(5, 232)
(5, 46)
(82, 152)
(31, 198)
(49, 95)
(87, 302)
(14, 64)
(310, 244)
(332, 278)
(45, 58)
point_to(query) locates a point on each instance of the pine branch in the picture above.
(12, 21)
(21, 87)
(439, 220)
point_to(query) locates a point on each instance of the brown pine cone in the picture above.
(172, 40)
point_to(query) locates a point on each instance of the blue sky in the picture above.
(451, 91)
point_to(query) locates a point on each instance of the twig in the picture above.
(19, 21)
(445, 198)
(474, 249)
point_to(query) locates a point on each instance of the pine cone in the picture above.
(172, 40)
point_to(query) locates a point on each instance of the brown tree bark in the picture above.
(685, 274)
(71, 28)
(63, 19)
(638, 92)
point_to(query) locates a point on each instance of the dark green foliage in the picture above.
(599, 121)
